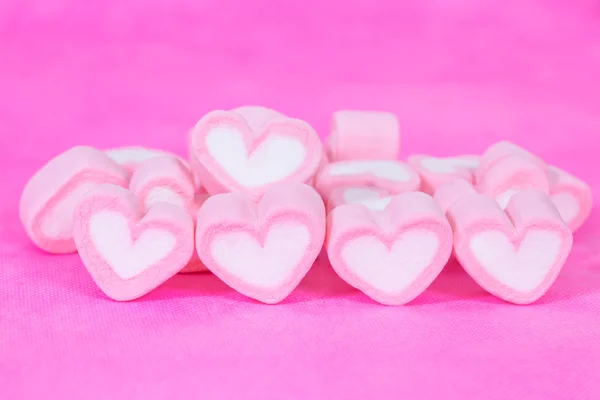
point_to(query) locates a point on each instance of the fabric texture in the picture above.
(459, 74)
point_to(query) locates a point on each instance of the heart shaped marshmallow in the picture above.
(391, 255)
(264, 249)
(50, 196)
(229, 154)
(435, 171)
(128, 252)
(393, 176)
(363, 135)
(515, 255)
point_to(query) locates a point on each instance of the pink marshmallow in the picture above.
(50, 196)
(451, 191)
(231, 151)
(166, 179)
(264, 249)
(372, 198)
(515, 254)
(393, 176)
(363, 135)
(511, 175)
(195, 265)
(391, 255)
(435, 171)
(257, 116)
(132, 157)
(571, 196)
(501, 150)
(127, 251)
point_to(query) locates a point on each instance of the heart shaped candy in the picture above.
(229, 154)
(264, 249)
(515, 255)
(50, 196)
(128, 252)
(391, 255)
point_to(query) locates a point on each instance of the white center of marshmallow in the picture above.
(391, 270)
(128, 258)
(267, 266)
(276, 158)
(523, 268)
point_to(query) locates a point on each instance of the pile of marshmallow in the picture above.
(260, 196)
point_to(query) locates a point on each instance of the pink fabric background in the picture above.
(460, 74)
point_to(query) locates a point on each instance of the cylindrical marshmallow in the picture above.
(363, 135)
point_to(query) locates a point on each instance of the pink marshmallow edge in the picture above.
(257, 116)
